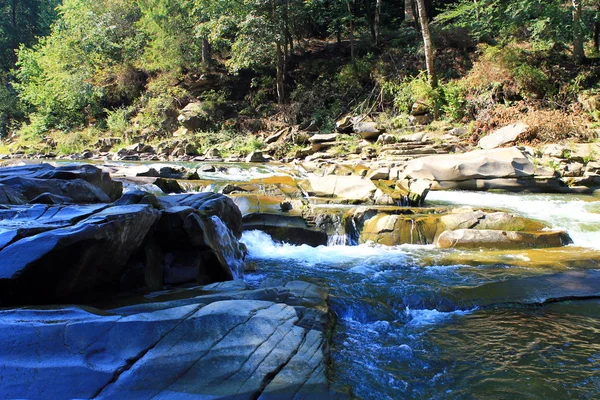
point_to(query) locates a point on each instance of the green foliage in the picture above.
(539, 21)
(454, 103)
(117, 121)
(170, 30)
(8, 105)
(59, 77)
(75, 141)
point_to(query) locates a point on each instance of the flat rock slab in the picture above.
(227, 348)
(354, 189)
(481, 164)
(502, 136)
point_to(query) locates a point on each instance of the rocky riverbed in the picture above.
(94, 255)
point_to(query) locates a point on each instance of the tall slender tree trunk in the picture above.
(351, 32)
(206, 51)
(280, 75)
(578, 52)
(377, 22)
(427, 43)
(597, 28)
(413, 9)
(13, 11)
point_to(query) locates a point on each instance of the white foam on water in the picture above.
(566, 212)
(426, 317)
(261, 246)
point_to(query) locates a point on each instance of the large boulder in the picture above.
(193, 117)
(368, 130)
(74, 261)
(211, 204)
(481, 164)
(465, 218)
(473, 239)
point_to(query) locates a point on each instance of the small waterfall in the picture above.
(229, 248)
(340, 240)
(412, 229)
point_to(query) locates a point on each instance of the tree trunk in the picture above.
(13, 10)
(377, 22)
(597, 29)
(427, 43)
(413, 9)
(578, 52)
(351, 32)
(280, 75)
(206, 58)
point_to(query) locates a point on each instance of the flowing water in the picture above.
(407, 330)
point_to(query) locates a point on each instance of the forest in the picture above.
(74, 71)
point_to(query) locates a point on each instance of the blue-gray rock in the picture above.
(242, 344)
(74, 262)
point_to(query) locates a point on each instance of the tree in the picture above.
(427, 43)
(578, 52)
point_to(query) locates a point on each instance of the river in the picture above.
(414, 329)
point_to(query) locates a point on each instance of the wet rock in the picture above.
(477, 219)
(418, 189)
(286, 228)
(49, 198)
(58, 181)
(168, 185)
(506, 135)
(212, 204)
(78, 190)
(151, 172)
(472, 238)
(393, 230)
(139, 197)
